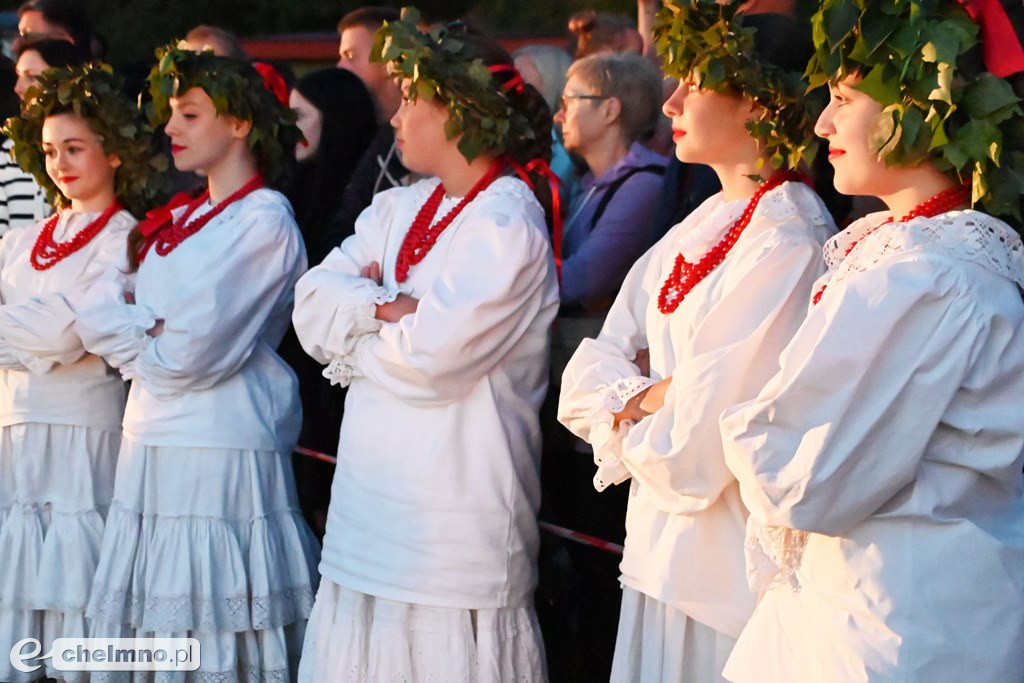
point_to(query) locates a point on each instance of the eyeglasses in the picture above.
(565, 98)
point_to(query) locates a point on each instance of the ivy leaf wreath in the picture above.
(707, 42)
(920, 59)
(437, 64)
(93, 92)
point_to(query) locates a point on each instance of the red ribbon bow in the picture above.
(554, 182)
(515, 81)
(1000, 41)
(158, 220)
(273, 81)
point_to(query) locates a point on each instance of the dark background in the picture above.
(133, 28)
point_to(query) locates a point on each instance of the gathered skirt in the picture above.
(207, 543)
(657, 643)
(357, 638)
(56, 483)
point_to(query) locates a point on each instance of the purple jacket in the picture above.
(595, 259)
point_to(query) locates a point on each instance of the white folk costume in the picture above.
(204, 536)
(686, 596)
(429, 558)
(60, 429)
(882, 466)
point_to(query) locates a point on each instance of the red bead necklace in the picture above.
(47, 252)
(947, 200)
(166, 237)
(685, 275)
(422, 235)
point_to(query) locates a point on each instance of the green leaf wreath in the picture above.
(437, 64)
(236, 89)
(920, 60)
(93, 92)
(708, 42)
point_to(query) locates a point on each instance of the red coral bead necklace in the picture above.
(172, 234)
(947, 200)
(685, 275)
(47, 252)
(423, 235)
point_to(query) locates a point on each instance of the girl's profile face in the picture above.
(309, 119)
(710, 127)
(200, 137)
(845, 125)
(419, 133)
(77, 163)
(30, 64)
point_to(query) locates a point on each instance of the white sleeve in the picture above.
(334, 304)
(731, 353)
(494, 284)
(601, 374)
(41, 331)
(216, 321)
(862, 387)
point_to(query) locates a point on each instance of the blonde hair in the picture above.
(631, 79)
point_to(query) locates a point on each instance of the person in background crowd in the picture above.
(22, 199)
(603, 32)
(221, 41)
(60, 407)
(544, 67)
(59, 20)
(698, 326)
(610, 104)
(380, 167)
(436, 312)
(882, 464)
(204, 537)
(337, 118)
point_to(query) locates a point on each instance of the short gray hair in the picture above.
(631, 79)
(551, 63)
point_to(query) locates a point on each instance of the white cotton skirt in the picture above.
(657, 643)
(207, 543)
(56, 483)
(357, 638)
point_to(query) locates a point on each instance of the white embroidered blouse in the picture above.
(47, 376)
(213, 377)
(882, 464)
(684, 523)
(437, 487)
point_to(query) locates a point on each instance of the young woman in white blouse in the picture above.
(698, 326)
(205, 538)
(61, 407)
(436, 312)
(882, 465)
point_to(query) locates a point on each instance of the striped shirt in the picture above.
(22, 200)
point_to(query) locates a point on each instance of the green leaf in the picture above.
(881, 85)
(988, 95)
(840, 20)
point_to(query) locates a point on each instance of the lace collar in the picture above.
(966, 235)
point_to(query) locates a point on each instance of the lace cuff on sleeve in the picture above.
(773, 555)
(607, 439)
(343, 369)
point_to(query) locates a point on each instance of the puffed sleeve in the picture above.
(498, 276)
(216, 321)
(40, 332)
(334, 304)
(731, 353)
(601, 375)
(862, 386)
